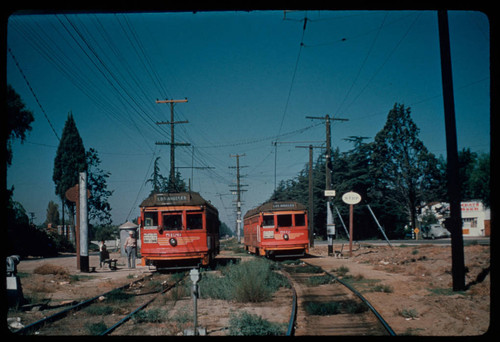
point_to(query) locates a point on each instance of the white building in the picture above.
(475, 216)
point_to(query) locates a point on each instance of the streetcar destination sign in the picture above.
(351, 198)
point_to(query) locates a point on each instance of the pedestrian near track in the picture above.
(131, 249)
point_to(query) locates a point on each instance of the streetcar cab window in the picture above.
(150, 220)
(194, 221)
(268, 221)
(284, 220)
(172, 221)
(300, 220)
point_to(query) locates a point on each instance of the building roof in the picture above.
(129, 225)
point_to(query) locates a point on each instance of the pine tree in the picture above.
(70, 160)
(403, 167)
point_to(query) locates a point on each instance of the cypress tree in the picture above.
(70, 160)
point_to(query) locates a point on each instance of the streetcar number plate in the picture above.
(150, 238)
(268, 234)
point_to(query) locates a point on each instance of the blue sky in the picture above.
(248, 77)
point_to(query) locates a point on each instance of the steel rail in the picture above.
(141, 307)
(363, 299)
(293, 314)
(58, 315)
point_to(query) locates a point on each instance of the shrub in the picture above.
(150, 316)
(319, 280)
(95, 328)
(251, 281)
(322, 308)
(334, 308)
(246, 324)
(383, 288)
(118, 296)
(51, 269)
(341, 271)
(99, 310)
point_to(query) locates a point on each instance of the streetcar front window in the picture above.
(194, 221)
(300, 220)
(150, 219)
(284, 220)
(172, 222)
(268, 220)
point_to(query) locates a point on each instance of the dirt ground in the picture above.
(419, 300)
(410, 286)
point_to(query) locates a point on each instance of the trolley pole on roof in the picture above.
(172, 142)
(238, 193)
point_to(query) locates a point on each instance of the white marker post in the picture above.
(194, 274)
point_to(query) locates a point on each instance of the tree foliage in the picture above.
(52, 214)
(19, 121)
(394, 174)
(402, 163)
(161, 183)
(99, 207)
(70, 160)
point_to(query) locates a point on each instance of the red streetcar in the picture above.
(178, 230)
(277, 229)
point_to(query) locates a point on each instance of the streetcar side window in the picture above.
(194, 221)
(172, 221)
(284, 220)
(300, 220)
(150, 219)
(268, 220)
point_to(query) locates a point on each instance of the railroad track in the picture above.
(65, 322)
(325, 305)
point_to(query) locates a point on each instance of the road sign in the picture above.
(351, 198)
(329, 193)
(416, 230)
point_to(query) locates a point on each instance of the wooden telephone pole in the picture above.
(330, 226)
(310, 213)
(172, 142)
(455, 221)
(238, 193)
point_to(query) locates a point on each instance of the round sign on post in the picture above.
(351, 198)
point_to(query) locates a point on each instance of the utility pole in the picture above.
(310, 213)
(172, 142)
(454, 223)
(238, 193)
(330, 225)
(328, 154)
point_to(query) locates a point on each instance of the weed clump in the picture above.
(252, 281)
(245, 324)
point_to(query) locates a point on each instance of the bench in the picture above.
(111, 263)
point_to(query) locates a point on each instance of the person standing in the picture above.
(131, 249)
(103, 253)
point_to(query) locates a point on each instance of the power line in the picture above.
(34, 95)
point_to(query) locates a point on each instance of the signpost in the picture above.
(73, 195)
(351, 198)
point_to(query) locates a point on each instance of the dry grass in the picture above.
(51, 269)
